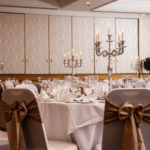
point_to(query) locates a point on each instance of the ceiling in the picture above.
(134, 6)
(79, 5)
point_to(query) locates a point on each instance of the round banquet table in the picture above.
(76, 122)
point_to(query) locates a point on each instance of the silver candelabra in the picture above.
(109, 53)
(72, 61)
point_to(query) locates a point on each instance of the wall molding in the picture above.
(67, 12)
(35, 77)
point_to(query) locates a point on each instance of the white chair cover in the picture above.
(112, 134)
(34, 131)
(31, 87)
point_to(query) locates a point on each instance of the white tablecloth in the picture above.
(78, 122)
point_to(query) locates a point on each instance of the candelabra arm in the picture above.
(110, 53)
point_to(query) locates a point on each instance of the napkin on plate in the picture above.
(62, 95)
(43, 96)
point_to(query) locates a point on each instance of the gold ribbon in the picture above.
(132, 117)
(14, 115)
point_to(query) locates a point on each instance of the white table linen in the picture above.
(77, 122)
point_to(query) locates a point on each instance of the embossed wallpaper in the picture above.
(36, 29)
(83, 41)
(36, 44)
(60, 42)
(12, 43)
(126, 62)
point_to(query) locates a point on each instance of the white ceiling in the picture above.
(135, 6)
(26, 3)
(55, 4)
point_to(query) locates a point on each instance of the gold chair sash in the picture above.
(132, 117)
(14, 115)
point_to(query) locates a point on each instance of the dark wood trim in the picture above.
(35, 77)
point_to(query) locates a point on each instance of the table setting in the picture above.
(72, 110)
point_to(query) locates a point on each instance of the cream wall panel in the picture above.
(60, 42)
(12, 43)
(37, 44)
(145, 37)
(83, 41)
(101, 25)
(130, 28)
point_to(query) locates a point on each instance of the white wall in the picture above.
(58, 45)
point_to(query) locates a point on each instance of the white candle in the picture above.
(73, 52)
(64, 56)
(109, 30)
(138, 59)
(122, 35)
(97, 37)
(119, 37)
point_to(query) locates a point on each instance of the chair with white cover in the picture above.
(31, 87)
(127, 120)
(3, 134)
(9, 84)
(32, 131)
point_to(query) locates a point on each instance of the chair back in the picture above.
(112, 132)
(38, 86)
(33, 131)
(1, 90)
(31, 87)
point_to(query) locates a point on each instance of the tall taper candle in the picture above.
(122, 35)
(109, 30)
(73, 52)
(119, 37)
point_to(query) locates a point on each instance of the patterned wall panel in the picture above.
(83, 41)
(101, 26)
(12, 43)
(36, 28)
(60, 42)
(126, 62)
(145, 38)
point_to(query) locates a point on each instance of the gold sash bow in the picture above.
(14, 115)
(132, 116)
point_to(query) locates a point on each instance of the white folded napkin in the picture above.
(89, 91)
(43, 95)
(62, 95)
